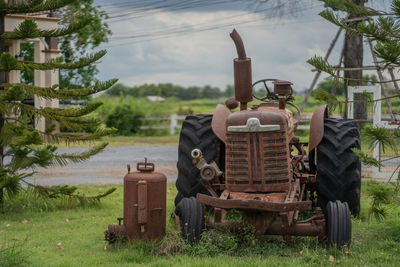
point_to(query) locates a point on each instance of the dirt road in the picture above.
(109, 167)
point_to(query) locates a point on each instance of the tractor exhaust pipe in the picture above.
(242, 73)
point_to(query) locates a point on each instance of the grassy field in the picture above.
(52, 233)
(176, 106)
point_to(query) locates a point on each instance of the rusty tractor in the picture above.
(250, 161)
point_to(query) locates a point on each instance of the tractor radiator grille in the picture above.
(257, 162)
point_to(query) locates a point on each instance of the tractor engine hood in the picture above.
(262, 119)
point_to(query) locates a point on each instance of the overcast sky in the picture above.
(187, 42)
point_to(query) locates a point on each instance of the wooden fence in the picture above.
(172, 126)
(175, 123)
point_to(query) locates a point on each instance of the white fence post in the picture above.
(377, 114)
(172, 119)
(173, 124)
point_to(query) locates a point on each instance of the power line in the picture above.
(190, 27)
(150, 10)
(175, 28)
(202, 30)
(150, 7)
(222, 22)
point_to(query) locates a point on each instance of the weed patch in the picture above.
(12, 253)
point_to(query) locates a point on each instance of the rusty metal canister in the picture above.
(145, 196)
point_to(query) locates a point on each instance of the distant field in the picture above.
(198, 106)
(176, 106)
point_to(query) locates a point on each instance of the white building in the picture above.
(44, 49)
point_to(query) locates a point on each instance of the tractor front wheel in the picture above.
(191, 215)
(338, 223)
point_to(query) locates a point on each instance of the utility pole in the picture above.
(353, 58)
(2, 81)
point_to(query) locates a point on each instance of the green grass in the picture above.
(53, 233)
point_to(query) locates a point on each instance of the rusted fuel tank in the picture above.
(145, 195)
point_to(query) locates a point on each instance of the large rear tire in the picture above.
(191, 215)
(196, 133)
(339, 168)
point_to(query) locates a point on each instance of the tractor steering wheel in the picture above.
(270, 95)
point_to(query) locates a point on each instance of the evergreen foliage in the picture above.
(23, 148)
(8, 62)
(29, 29)
(32, 6)
(336, 86)
(76, 44)
(384, 29)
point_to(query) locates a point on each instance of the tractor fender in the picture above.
(317, 126)
(218, 122)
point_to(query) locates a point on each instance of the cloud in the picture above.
(278, 50)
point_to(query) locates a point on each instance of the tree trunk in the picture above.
(353, 58)
(2, 80)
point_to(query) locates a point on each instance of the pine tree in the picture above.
(22, 147)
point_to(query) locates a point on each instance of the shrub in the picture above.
(125, 119)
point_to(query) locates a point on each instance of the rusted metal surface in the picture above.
(219, 214)
(257, 161)
(251, 204)
(208, 171)
(298, 160)
(307, 178)
(145, 166)
(253, 125)
(231, 103)
(114, 232)
(317, 127)
(145, 217)
(296, 213)
(265, 116)
(142, 201)
(271, 197)
(242, 73)
(282, 89)
(312, 229)
(318, 215)
(315, 228)
(144, 205)
(210, 189)
(260, 221)
(292, 197)
(218, 122)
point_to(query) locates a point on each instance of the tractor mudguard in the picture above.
(218, 123)
(317, 126)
